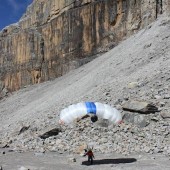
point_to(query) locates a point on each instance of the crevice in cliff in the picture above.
(42, 48)
(119, 14)
(159, 7)
(37, 58)
(134, 2)
(42, 55)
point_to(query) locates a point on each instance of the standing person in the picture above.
(90, 155)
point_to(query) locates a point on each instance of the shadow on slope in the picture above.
(110, 161)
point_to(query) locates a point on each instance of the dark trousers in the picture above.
(90, 159)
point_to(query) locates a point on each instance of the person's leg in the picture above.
(91, 160)
(88, 158)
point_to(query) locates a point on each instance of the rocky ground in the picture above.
(134, 77)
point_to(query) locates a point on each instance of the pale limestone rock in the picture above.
(133, 85)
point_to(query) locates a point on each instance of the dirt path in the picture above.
(55, 161)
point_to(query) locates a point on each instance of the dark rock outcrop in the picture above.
(50, 132)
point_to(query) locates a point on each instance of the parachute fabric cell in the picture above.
(109, 113)
(73, 112)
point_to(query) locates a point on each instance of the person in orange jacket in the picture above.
(90, 155)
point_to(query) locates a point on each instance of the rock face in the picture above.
(56, 36)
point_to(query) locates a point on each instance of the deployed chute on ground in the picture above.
(99, 110)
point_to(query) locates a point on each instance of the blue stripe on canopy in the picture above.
(91, 107)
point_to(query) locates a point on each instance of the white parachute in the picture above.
(79, 110)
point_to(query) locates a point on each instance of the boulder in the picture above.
(102, 123)
(165, 114)
(140, 121)
(51, 132)
(136, 119)
(140, 107)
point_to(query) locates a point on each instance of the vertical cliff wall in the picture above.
(56, 36)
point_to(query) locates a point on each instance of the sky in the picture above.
(11, 11)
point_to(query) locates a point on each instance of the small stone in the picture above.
(71, 160)
(23, 129)
(157, 97)
(162, 104)
(147, 45)
(23, 168)
(167, 97)
(147, 149)
(133, 85)
(155, 119)
(41, 150)
(140, 156)
(38, 154)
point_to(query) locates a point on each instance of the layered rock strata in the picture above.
(56, 36)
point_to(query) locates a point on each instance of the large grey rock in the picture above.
(136, 119)
(103, 123)
(140, 121)
(141, 107)
(165, 114)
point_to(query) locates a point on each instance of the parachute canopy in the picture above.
(79, 110)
